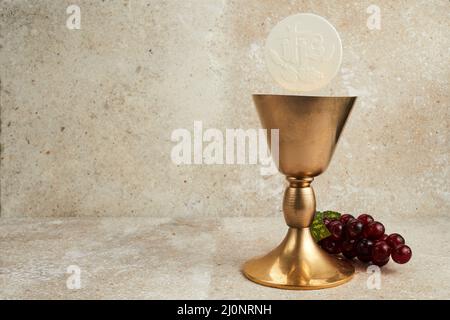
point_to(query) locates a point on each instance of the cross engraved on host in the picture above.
(301, 55)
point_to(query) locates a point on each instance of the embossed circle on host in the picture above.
(303, 52)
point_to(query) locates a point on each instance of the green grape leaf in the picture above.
(331, 214)
(318, 229)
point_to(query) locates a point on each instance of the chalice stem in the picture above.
(299, 203)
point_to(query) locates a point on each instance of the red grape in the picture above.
(331, 246)
(381, 251)
(380, 263)
(326, 221)
(349, 248)
(364, 250)
(384, 237)
(395, 240)
(402, 254)
(354, 229)
(373, 230)
(335, 228)
(365, 218)
(345, 217)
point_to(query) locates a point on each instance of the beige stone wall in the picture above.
(87, 115)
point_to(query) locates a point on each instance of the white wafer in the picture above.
(303, 52)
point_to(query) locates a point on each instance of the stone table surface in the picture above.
(192, 258)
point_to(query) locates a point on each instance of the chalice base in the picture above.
(298, 263)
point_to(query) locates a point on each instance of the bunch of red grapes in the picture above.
(365, 239)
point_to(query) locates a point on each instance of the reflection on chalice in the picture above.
(309, 128)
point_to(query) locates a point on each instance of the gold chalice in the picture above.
(309, 128)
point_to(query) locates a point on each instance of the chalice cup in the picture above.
(309, 128)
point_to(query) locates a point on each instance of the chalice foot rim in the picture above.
(298, 263)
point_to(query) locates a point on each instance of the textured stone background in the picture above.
(86, 115)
